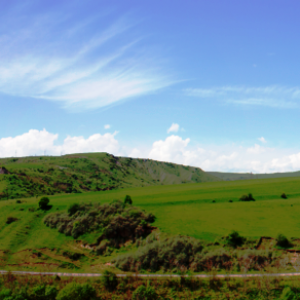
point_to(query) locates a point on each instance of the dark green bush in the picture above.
(230, 201)
(5, 293)
(109, 280)
(283, 196)
(128, 200)
(73, 209)
(283, 242)
(234, 239)
(9, 220)
(42, 292)
(142, 292)
(77, 291)
(248, 197)
(43, 203)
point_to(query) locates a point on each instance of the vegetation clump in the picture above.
(283, 242)
(128, 200)
(234, 239)
(115, 223)
(283, 196)
(143, 292)
(77, 291)
(43, 203)
(175, 253)
(109, 280)
(11, 220)
(248, 197)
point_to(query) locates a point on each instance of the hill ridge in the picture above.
(82, 172)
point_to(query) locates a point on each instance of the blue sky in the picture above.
(212, 84)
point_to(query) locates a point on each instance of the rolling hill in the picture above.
(77, 173)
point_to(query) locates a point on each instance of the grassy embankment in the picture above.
(186, 209)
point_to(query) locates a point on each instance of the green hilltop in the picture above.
(77, 173)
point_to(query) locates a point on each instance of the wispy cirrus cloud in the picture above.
(83, 65)
(270, 96)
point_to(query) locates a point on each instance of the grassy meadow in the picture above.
(186, 209)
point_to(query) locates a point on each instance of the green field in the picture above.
(180, 209)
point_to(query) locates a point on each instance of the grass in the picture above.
(185, 209)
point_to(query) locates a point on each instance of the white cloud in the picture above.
(174, 128)
(35, 142)
(96, 71)
(173, 148)
(256, 149)
(107, 126)
(262, 139)
(271, 96)
(226, 158)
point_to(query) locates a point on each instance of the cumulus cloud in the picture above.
(271, 96)
(35, 142)
(173, 148)
(174, 128)
(107, 126)
(225, 158)
(262, 139)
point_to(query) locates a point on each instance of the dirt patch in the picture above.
(86, 246)
(33, 264)
(266, 243)
(3, 170)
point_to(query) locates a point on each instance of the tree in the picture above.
(283, 196)
(43, 203)
(283, 242)
(234, 239)
(128, 200)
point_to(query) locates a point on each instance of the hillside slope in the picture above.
(77, 173)
(246, 176)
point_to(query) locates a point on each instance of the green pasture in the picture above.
(180, 209)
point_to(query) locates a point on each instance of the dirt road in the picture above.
(150, 275)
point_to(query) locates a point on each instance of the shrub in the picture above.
(234, 239)
(73, 209)
(10, 220)
(128, 200)
(5, 293)
(147, 293)
(283, 242)
(43, 203)
(283, 196)
(230, 201)
(176, 252)
(77, 291)
(248, 197)
(42, 292)
(214, 201)
(115, 222)
(110, 280)
(18, 201)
